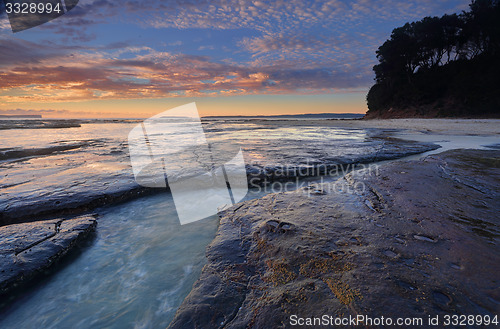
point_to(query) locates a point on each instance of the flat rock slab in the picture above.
(415, 238)
(30, 248)
(73, 186)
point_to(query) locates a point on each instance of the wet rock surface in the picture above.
(73, 174)
(421, 238)
(28, 249)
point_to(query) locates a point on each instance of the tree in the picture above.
(455, 56)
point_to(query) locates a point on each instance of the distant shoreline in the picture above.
(292, 116)
(285, 117)
(20, 116)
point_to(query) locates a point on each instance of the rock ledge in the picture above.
(28, 249)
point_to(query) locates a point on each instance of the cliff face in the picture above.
(440, 67)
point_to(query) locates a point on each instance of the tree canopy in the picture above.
(432, 48)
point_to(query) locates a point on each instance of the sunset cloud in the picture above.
(51, 113)
(51, 74)
(140, 50)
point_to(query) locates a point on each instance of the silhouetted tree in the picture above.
(422, 61)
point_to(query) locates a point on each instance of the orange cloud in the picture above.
(55, 75)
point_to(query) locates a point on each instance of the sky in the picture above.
(133, 58)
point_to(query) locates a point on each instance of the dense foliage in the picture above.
(441, 66)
